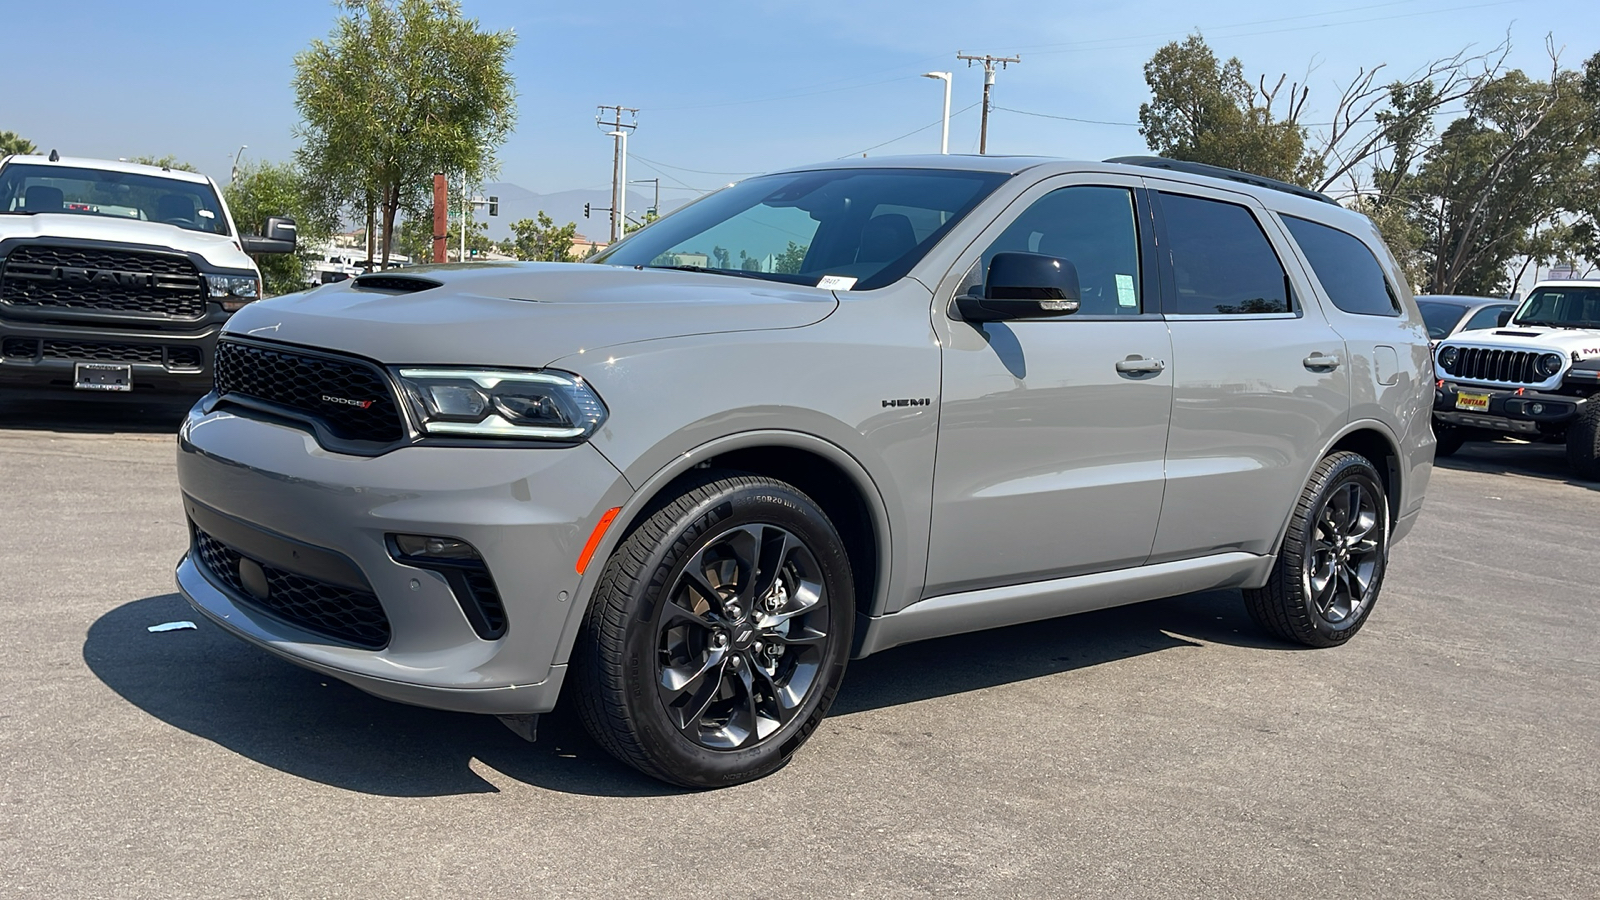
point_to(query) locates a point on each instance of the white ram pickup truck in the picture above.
(115, 277)
(1536, 378)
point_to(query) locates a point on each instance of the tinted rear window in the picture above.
(1440, 317)
(1350, 274)
(1221, 260)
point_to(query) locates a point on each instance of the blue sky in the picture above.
(726, 89)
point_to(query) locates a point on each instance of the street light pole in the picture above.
(234, 175)
(944, 135)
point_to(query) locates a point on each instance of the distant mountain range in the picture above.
(517, 202)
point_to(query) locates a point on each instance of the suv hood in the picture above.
(524, 314)
(218, 251)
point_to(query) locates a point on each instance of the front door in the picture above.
(1052, 431)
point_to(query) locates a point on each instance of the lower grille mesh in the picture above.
(348, 615)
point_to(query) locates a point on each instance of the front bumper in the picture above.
(1511, 411)
(527, 511)
(41, 358)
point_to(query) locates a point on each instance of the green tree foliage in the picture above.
(629, 226)
(788, 262)
(1203, 110)
(541, 240)
(279, 189)
(415, 238)
(1515, 178)
(166, 162)
(13, 143)
(399, 90)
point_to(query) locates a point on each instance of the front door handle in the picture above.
(1139, 365)
(1319, 361)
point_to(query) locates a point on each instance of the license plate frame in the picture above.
(89, 376)
(1472, 402)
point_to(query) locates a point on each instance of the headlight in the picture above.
(1447, 358)
(233, 290)
(502, 403)
(1550, 364)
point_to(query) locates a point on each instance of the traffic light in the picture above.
(586, 210)
(494, 206)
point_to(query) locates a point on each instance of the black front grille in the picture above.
(98, 352)
(349, 397)
(44, 276)
(348, 615)
(1510, 366)
(19, 348)
(183, 357)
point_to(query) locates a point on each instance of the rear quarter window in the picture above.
(1349, 273)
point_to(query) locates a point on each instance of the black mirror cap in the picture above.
(1504, 317)
(1031, 276)
(279, 235)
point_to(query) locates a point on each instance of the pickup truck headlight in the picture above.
(233, 290)
(502, 403)
(1447, 358)
(1550, 364)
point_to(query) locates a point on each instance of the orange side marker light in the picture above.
(594, 538)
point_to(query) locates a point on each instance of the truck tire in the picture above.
(718, 634)
(1583, 442)
(1331, 565)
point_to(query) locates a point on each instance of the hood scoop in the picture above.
(394, 284)
(1532, 334)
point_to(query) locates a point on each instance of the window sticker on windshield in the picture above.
(836, 283)
(1125, 294)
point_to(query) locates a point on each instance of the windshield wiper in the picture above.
(740, 273)
(18, 212)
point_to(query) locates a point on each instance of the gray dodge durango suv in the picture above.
(812, 416)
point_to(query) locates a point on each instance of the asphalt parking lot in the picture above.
(1161, 750)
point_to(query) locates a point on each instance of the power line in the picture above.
(1041, 115)
(695, 171)
(902, 137)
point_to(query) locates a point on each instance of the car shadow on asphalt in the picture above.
(73, 414)
(1511, 457)
(213, 686)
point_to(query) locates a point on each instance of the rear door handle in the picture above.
(1139, 365)
(1318, 361)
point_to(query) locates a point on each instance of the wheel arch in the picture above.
(1373, 440)
(822, 470)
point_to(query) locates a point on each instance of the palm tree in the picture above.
(11, 142)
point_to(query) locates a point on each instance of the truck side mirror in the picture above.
(279, 236)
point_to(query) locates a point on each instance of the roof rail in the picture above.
(1194, 168)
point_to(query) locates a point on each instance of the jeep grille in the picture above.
(1506, 366)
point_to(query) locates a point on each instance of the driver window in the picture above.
(1093, 228)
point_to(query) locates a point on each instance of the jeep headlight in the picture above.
(502, 403)
(233, 290)
(1447, 358)
(1550, 364)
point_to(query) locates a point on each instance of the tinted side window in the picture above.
(1349, 273)
(1488, 317)
(1222, 262)
(1093, 228)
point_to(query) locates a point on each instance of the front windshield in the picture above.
(1561, 307)
(30, 190)
(864, 227)
(1440, 317)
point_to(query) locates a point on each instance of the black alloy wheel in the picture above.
(1330, 568)
(718, 634)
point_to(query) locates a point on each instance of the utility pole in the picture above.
(988, 82)
(619, 159)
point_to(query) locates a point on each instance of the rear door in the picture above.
(1052, 431)
(1259, 377)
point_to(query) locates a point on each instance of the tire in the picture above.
(1583, 442)
(1292, 605)
(1449, 439)
(675, 670)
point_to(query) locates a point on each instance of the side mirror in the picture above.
(1504, 317)
(1024, 286)
(279, 237)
